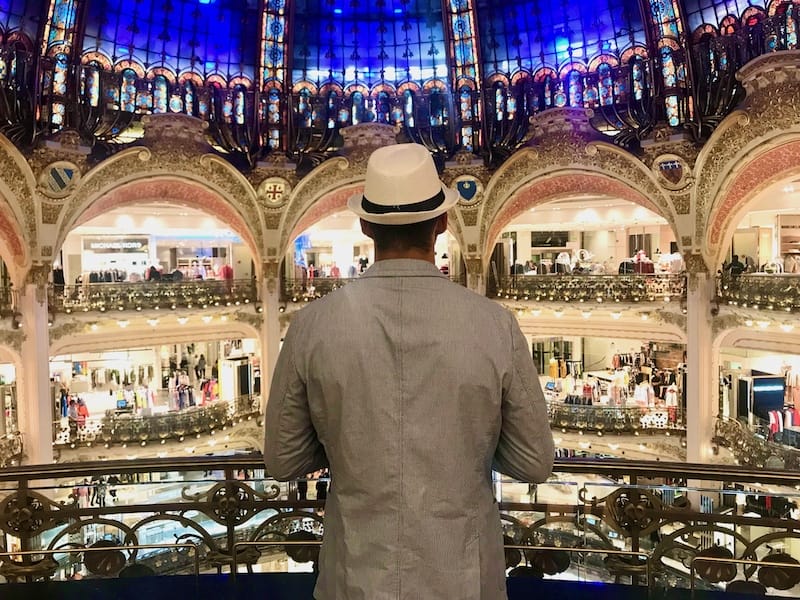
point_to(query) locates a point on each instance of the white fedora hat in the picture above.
(402, 187)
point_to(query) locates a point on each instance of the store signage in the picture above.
(105, 245)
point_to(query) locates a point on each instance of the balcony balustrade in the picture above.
(616, 419)
(306, 290)
(762, 291)
(594, 288)
(10, 449)
(627, 522)
(163, 295)
(117, 427)
(755, 447)
(7, 300)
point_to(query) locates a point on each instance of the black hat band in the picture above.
(424, 206)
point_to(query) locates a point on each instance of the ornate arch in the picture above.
(564, 164)
(770, 118)
(17, 209)
(742, 187)
(330, 179)
(752, 338)
(336, 201)
(200, 181)
(549, 188)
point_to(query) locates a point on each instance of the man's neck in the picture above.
(409, 253)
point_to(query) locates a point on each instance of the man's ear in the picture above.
(441, 224)
(366, 228)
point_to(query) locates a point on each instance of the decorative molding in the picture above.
(65, 329)
(50, 213)
(569, 154)
(58, 179)
(250, 318)
(770, 111)
(12, 338)
(39, 276)
(273, 193)
(16, 176)
(470, 217)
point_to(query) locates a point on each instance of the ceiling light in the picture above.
(535, 312)
(207, 318)
(123, 324)
(616, 315)
(183, 320)
(645, 316)
(152, 322)
(763, 324)
(787, 327)
(749, 323)
(586, 314)
(558, 313)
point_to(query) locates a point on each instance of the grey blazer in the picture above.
(412, 388)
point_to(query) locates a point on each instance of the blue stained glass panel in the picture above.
(531, 34)
(368, 43)
(181, 35)
(21, 15)
(698, 12)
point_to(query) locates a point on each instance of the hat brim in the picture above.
(403, 218)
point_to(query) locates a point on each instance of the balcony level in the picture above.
(627, 527)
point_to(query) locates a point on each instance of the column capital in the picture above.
(270, 272)
(38, 275)
(475, 274)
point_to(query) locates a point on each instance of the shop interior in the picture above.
(336, 248)
(587, 235)
(150, 381)
(767, 239)
(762, 389)
(153, 241)
(612, 373)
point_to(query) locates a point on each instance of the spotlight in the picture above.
(282, 308)
(16, 321)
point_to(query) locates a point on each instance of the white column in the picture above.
(35, 404)
(270, 327)
(156, 383)
(701, 378)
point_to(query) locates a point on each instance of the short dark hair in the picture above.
(402, 237)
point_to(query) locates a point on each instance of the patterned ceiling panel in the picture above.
(21, 16)
(204, 36)
(368, 42)
(532, 34)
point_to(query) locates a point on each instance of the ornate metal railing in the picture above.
(616, 419)
(306, 290)
(594, 288)
(10, 449)
(755, 448)
(7, 300)
(102, 297)
(771, 292)
(579, 525)
(117, 428)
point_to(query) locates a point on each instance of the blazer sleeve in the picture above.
(291, 445)
(525, 448)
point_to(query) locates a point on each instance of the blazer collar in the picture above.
(402, 267)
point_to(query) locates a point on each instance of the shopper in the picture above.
(200, 368)
(83, 413)
(411, 388)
